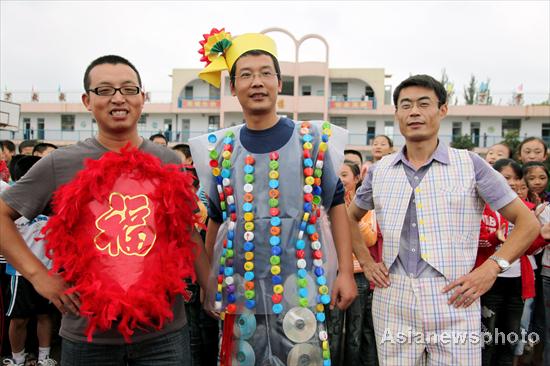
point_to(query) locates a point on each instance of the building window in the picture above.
(371, 131)
(306, 89)
(387, 95)
(388, 129)
(189, 92)
(340, 121)
(213, 92)
(213, 123)
(510, 126)
(142, 119)
(369, 92)
(67, 122)
(474, 132)
(288, 87)
(457, 130)
(545, 133)
(339, 90)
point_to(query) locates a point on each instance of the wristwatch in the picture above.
(502, 263)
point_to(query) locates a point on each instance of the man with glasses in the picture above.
(428, 200)
(120, 216)
(264, 194)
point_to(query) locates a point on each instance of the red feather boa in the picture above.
(135, 291)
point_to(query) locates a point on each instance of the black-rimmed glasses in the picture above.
(107, 91)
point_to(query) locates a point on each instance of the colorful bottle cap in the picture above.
(276, 280)
(273, 174)
(300, 244)
(325, 299)
(275, 270)
(277, 308)
(276, 250)
(248, 188)
(247, 207)
(278, 289)
(250, 304)
(274, 155)
(320, 317)
(274, 240)
(273, 183)
(302, 273)
(321, 280)
(248, 169)
(212, 138)
(275, 221)
(249, 276)
(248, 246)
(275, 259)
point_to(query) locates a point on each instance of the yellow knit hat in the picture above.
(220, 51)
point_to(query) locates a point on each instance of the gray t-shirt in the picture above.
(31, 196)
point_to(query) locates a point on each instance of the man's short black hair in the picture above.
(424, 81)
(26, 143)
(184, 149)
(23, 165)
(42, 146)
(254, 53)
(8, 145)
(158, 135)
(354, 152)
(108, 59)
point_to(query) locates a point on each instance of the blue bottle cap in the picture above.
(228, 271)
(218, 296)
(307, 207)
(276, 250)
(325, 299)
(308, 163)
(248, 169)
(212, 138)
(302, 273)
(324, 138)
(226, 173)
(300, 244)
(232, 208)
(274, 240)
(247, 207)
(273, 183)
(231, 298)
(310, 229)
(250, 304)
(275, 221)
(276, 280)
(320, 317)
(302, 292)
(317, 190)
(319, 271)
(321, 280)
(249, 276)
(277, 308)
(230, 235)
(248, 246)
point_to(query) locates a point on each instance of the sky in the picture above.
(46, 45)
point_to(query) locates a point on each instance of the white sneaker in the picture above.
(47, 362)
(10, 362)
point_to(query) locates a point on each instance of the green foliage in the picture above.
(463, 142)
(471, 91)
(512, 140)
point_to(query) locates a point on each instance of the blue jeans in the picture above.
(170, 349)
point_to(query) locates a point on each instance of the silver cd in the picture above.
(244, 354)
(245, 326)
(304, 354)
(291, 290)
(299, 324)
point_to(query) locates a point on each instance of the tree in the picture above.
(470, 91)
(463, 142)
(511, 139)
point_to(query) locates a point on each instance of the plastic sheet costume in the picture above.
(274, 259)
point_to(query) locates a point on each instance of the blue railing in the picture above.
(359, 139)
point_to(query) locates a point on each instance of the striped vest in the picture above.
(448, 211)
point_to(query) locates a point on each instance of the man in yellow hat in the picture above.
(270, 182)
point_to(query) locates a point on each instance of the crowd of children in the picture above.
(517, 303)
